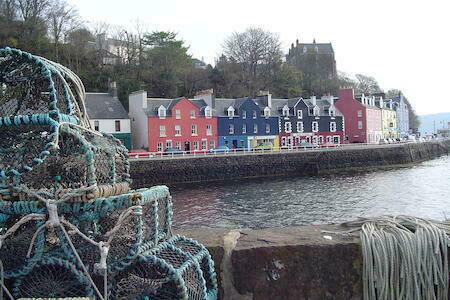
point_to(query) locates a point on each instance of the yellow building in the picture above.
(389, 123)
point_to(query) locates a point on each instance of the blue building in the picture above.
(402, 113)
(246, 122)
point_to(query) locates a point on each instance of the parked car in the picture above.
(220, 149)
(172, 151)
(264, 146)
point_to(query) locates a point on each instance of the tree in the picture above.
(257, 52)
(62, 19)
(367, 84)
(166, 61)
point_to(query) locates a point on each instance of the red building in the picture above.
(362, 117)
(187, 125)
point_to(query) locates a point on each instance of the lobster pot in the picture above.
(82, 159)
(131, 222)
(179, 268)
(53, 278)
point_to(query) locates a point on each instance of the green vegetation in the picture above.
(159, 61)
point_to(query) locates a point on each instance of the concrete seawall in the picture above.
(284, 263)
(149, 172)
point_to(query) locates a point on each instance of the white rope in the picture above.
(404, 257)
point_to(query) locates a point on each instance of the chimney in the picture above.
(112, 89)
(266, 98)
(208, 96)
(313, 100)
(296, 42)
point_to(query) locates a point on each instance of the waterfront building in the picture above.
(388, 117)
(182, 123)
(313, 120)
(246, 122)
(402, 111)
(362, 118)
(107, 114)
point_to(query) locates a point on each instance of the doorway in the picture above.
(187, 146)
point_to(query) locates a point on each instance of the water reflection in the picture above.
(422, 190)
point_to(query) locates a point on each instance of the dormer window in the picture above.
(162, 112)
(285, 111)
(332, 112)
(316, 111)
(208, 112)
(254, 114)
(266, 112)
(317, 49)
(230, 111)
(304, 49)
(244, 114)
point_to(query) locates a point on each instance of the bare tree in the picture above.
(367, 84)
(8, 8)
(253, 49)
(32, 10)
(62, 19)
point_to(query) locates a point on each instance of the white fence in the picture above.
(255, 151)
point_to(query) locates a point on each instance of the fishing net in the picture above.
(66, 210)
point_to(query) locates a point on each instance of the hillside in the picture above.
(429, 122)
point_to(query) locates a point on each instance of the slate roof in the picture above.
(104, 106)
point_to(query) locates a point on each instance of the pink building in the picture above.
(362, 117)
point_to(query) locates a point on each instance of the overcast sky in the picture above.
(403, 44)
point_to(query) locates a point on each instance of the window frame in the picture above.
(162, 130)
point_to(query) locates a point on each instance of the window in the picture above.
(244, 114)
(168, 144)
(329, 139)
(285, 111)
(159, 146)
(204, 142)
(241, 144)
(178, 145)
(315, 140)
(315, 126)
(304, 49)
(359, 113)
(192, 113)
(255, 128)
(254, 114)
(283, 141)
(266, 112)
(288, 127)
(97, 125)
(337, 139)
(333, 126)
(194, 129)
(162, 112)
(177, 114)
(320, 139)
(360, 125)
(208, 129)
(332, 112)
(177, 130)
(267, 128)
(231, 128)
(211, 144)
(299, 126)
(208, 112)
(230, 111)
(316, 111)
(117, 125)
(244, 128)
(300, 114)
(162, 130)
(195, 145)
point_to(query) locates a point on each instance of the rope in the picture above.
(403, 257)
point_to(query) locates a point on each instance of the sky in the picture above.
(403, 44)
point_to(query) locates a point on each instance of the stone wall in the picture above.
(147, 172)
(284, 263)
